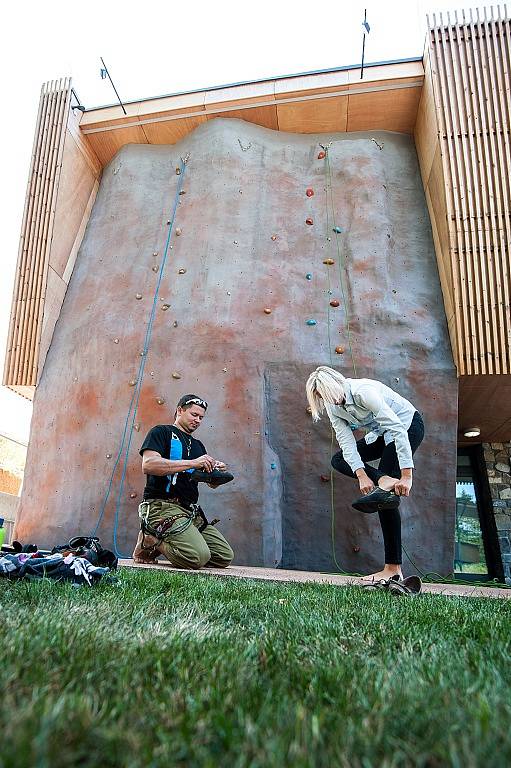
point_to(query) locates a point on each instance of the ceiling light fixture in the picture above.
(472, 432)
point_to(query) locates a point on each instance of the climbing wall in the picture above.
(285, 252)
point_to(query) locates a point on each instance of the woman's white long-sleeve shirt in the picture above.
(372, 405)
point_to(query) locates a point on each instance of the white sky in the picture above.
(154, 48)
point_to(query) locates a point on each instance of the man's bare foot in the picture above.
(387, 573)
(387, 483)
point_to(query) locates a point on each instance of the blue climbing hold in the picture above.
(273, 465)
(337, 230)
(308, 276)
(311, 322)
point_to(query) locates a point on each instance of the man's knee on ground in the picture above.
(199, 556)
(222, 559)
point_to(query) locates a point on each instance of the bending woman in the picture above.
(395, 431)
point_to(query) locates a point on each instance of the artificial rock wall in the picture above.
(245, 247)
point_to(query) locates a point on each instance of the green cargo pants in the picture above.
(183, 544)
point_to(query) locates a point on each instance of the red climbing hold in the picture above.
(334, 303)
(321, 155)
(324, 478)
(309, 192)
(309, 221)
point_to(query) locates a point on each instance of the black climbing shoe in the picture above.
(376, 501)
(217, 477)
(408, 587)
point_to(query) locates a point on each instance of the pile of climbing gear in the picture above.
(408, 587)
(82, 561)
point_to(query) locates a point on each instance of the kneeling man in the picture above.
(172, 522)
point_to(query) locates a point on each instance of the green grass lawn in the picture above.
(166, 669)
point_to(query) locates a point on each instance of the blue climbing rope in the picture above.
(133, 405)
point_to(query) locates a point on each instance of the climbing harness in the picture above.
(133, 404)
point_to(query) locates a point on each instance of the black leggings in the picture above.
(390, 519)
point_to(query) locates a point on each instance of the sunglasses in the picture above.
(197, 401)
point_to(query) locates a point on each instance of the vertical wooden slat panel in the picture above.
(481, 248)
(450, 170)
(21, 253)
(37, 227)
(471, 83)
(28, 236)
(492, 218)
(40, 221)
(51, 180)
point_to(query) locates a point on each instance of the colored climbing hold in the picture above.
(309, 410)
(309, 221)
(182, 271)
(178, 171)
(168, 221)
(155, 268)
(175, 323)
(334, 303)
(116, 341)
(176, 375)
(321, 155)
(224, 370)
(273, 465)
(160, 400)
(274, 237)
(267, 311)
(311, 322)
(132, 382)
(183, 192)
(339, 350)
(308, 276)
(133, 495)
(178, 231)
(109, 455)
(309, 192)
(138, 296)
(164, 307)
(142, 353)
(337, 230)
(136, 427)
(324, 478)
(328, 262)
(155, 253)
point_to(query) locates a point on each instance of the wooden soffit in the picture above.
(386, 98)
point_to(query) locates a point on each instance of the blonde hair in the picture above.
(324, 385)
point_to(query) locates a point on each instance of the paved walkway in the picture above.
(278, 574)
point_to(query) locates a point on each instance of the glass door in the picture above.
(469, 550)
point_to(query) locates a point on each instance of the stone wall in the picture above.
(498, 462)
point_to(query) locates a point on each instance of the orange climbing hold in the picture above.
(339, 350)
(321, 155)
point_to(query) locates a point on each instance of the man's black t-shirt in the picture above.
(172, 443)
